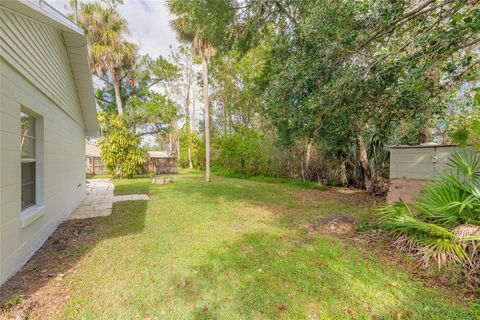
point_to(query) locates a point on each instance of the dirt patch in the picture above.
(40, 290)
(334, 223)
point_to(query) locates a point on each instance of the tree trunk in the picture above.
(422, 135)
(193, 109)
(187, 125)
(308, 155)
(207, 118)
(343, 174)
(363, 159)
(118, 96)
(302, 170)
(189, 154)
(178, 149)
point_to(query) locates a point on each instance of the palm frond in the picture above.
(390, 211)
(467, 164)
(433, 242)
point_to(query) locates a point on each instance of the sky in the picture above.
(148, 21)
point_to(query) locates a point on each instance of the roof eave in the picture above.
(43, 12)
(78, 56)
(77, 51)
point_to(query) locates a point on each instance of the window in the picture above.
(28, 160)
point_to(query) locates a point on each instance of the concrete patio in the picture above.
(98, 200)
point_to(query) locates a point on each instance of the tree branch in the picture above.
(102, 99)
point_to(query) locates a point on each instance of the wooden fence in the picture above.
(167, 165)
(95, 165)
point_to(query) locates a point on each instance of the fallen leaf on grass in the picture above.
(282, 253)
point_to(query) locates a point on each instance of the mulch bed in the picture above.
(39, 289)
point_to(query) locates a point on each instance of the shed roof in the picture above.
(423, 145)
(91, 150)
(76, 47)
(158, 154)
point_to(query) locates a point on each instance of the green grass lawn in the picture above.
(238, 249)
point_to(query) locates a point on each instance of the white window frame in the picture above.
(37, 209)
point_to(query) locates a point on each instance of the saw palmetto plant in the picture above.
(443, 225)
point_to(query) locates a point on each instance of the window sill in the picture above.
(31, 214)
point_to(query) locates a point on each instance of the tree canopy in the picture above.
(353, 76)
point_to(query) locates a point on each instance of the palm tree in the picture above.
(111, 57)
(202, 47)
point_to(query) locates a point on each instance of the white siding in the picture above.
(61, 158)
(420, 162)
(443, 158)
(413, 163)
(38, 52)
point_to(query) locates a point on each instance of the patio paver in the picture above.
(98, 201)
(129, 197)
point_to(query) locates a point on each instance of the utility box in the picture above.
(411, 167)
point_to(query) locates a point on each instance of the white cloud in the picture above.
(149, 22)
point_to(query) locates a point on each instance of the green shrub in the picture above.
(189, 137)
(120, 149)
(243, 152)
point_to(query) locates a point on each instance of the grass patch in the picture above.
(237, 249)
(140, 185)
(290, 182)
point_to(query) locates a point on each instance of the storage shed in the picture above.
(412, 166)
(160, 162)
(93, 162)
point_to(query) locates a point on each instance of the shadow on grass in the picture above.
(40, 281)
(292, 205)
(260, 276)
(229, 189)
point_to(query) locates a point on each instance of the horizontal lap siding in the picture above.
(38, 52)
(415, 163)
(421, 163)
(61, 156)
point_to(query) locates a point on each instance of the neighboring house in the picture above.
(411, 167)
(93, 161)
(160, 162)
(47, 108)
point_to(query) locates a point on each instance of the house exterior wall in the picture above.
(60, 144)
(39, 53)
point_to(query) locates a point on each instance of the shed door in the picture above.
(412, 163)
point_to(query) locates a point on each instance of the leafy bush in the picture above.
(443, 225)
(189, 137)
(242, 152)
(120, 149)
